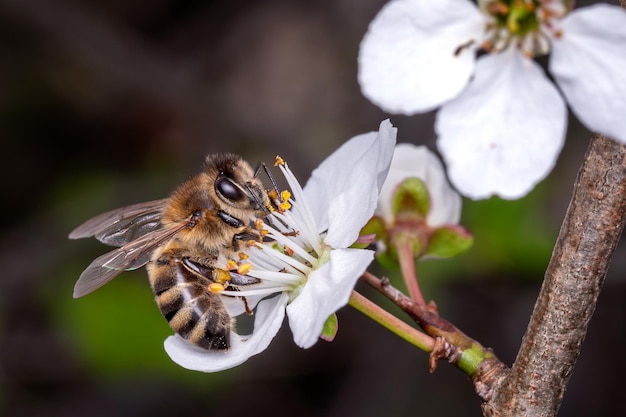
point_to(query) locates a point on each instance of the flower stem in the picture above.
(391, 322)
(451, 344)
(407, 265)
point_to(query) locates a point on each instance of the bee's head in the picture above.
(235, 182)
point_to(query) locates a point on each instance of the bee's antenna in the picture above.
(271, 178)
(268, 173)
(260, 203)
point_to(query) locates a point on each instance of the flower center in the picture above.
(524, 24)
(293, 248)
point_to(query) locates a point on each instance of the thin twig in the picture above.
(452, 344)
(391, 322)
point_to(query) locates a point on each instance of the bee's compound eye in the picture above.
(229, 190)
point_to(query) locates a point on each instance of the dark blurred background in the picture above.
(108, 103)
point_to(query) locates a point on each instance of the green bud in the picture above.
(449, 241)
(411, 199)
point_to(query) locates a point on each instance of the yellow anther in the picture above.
(273, 194)
(284, 206)
(220, 276)
(231, 264)
(251, 243)
(285, 195)
(279, 161)
(258, 224)
(244, 268)
(216, 288)
(242, 256)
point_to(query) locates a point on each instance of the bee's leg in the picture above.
(198, 268)
(230, 220)
(245, 305)
(210, 273)
(239, 280)
(235, 279)
(244, 237)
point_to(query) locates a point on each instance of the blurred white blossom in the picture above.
(502, 122)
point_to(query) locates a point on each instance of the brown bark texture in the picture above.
(590, 232)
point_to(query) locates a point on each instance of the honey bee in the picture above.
(180, 239)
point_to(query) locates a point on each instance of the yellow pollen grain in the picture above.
(231, 264)
(242, 256)
(251, 243)
(273, 194)
(258, 224)
(216, 288)
(244, 268)
(279, 161)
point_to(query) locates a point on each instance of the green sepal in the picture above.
(411, 199)
(331, 326)
(449, 241)
(375, 226)
(364, 241)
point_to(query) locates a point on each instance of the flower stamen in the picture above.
(244, 268)
(527, 24)
(216, 288)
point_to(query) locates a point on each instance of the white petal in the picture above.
(410, 161)
(327, 290)
(411, 59)
(505, 132)
(588, 63)
(236, 306)
(268, 319)
(344, 189)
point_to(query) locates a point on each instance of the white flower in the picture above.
(502, 122)
(410, 161)
(310, 274)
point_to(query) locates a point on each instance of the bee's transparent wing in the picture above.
(123, 225)
(131, 256)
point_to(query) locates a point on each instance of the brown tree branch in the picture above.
(450, 344)
(590, 232)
